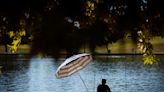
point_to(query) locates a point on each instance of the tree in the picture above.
(67, 25)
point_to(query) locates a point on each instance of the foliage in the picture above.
(146, 47)
(67, 25)
(89, 9)
(16, 40)
(12, 36)
(150, 59)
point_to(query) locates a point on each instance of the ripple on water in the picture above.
(38, 75)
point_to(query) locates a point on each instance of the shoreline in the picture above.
(95, 54)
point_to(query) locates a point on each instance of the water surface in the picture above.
(22, 74)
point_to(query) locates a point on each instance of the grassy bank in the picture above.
(122, 46)
(127, 46)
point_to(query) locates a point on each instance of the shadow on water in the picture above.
(128, 74)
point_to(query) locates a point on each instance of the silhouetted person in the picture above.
(103, 87)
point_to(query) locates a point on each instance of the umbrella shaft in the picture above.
(83, 82)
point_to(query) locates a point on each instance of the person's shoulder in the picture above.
(107, 86)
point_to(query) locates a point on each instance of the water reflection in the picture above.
(41, 75)
(38, 75)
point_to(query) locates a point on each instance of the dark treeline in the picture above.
(68, 25)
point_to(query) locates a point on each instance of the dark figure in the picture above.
(103, 87)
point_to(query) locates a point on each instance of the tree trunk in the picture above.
(6, 50)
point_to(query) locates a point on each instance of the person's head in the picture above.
(104, 81)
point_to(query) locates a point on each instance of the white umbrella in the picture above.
(73, 64)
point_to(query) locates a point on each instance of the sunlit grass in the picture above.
(118, 47)
(127, 46)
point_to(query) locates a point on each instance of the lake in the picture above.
(125, 74)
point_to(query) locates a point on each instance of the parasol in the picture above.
(73, 64)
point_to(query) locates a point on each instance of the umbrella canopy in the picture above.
(73, 64)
